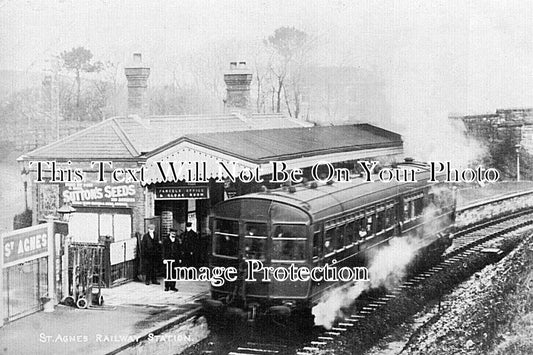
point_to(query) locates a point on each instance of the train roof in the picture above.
(326, 200)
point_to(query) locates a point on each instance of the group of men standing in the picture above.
(184, 249)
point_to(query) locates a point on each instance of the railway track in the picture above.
(467, 241)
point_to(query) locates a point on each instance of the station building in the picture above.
(144, 147)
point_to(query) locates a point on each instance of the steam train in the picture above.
(314, 225)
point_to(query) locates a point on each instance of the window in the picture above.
(361, 228)
(329, 241)
(406, 209)
(380, 220)
(350, 233)
(419, 206)
(339, 232)
(255, 241)
(369, 225)
(316, 244)
(226, 240)
(83, 227)
(88, 227)
(288, 242)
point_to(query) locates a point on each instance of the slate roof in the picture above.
(127, 138)
(291, 143)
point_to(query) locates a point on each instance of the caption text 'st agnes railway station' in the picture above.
(119, 212)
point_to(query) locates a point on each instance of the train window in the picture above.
(329, 241)
(361, 228)
(288, 242)
(419, 206)
(369, 225)
(406, 215)
(380, 221)
(339, 232)
(226, 239)
(350, 233)
(316, 244)
(390, 216)
(255, 241)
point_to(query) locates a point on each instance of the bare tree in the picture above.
(289, 49)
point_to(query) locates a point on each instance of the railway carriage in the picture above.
(314, 225)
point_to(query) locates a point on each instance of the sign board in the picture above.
(25, 244)
(181, 192)
(99, 194)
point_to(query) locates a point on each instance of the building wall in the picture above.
(47, 197)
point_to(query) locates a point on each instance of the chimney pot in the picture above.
(137, 58)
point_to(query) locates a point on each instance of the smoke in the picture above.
(435, 137)
(386, 268)
(387, 265)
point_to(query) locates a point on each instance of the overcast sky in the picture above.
(445, 56)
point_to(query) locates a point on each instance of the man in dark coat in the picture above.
(192, 246)
(150, 249)
(172, 248)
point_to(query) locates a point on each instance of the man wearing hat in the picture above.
(172, 249)
(192, 246)
(150, 249)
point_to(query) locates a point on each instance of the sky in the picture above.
(436, 57)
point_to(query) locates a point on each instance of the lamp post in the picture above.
(517, 148)
(65, 212)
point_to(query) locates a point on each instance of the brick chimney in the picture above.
(137, 74)
(238, 80)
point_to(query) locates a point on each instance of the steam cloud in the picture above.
(387, 265)
(386, 268)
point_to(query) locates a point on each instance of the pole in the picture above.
(518, 164)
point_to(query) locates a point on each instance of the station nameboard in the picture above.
(181, 192)
(25, 243)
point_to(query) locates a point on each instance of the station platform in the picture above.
(131, 313)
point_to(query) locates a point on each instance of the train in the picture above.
(317, 224)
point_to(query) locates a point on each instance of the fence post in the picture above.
(51, 264)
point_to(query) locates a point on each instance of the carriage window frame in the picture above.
(390, 215)
(262, 238)
(370, 223)
(236, 257)
(333, 240)
(302, 240)
(340, 234)
(360, 224)
(350, 238)
(379, 220)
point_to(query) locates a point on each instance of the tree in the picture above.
(290, 48)
(78, 61)
(501, 155)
